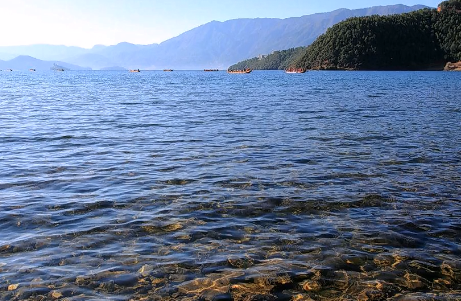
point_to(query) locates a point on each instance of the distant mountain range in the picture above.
(25, 62)
(212, 45)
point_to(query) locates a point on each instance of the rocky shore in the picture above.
(453, 66)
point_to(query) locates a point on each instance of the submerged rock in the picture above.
(13, 287)
(56, 295)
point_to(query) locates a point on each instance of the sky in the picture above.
(85, 23)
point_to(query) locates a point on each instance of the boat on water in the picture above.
(244, 71)
(57, 68)
(9, 70)
(32, 69)
(295, 70)
(210, 70)
(135, 70)
(167, 70)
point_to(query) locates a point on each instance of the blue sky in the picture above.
(85, 23)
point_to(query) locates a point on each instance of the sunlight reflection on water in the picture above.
(209, 186)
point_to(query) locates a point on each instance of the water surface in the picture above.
(209, 186)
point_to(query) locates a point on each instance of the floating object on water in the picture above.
(56, 67)
(295, 70)
(135, 70)
(244, 71)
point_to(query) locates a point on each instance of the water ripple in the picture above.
(208, 186)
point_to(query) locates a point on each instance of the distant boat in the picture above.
(295, 70)
(56, 67)
(32, 69)
(244, 71)
(135, 70)
(9, 70)
(210, 70)
(167, 70)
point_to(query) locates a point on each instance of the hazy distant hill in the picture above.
(96, 61)
(223, 43)
(41, 51)
(212, 45)
(115, 68)
(123, 54)
(25, 62)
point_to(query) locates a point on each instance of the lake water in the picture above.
(210, 186)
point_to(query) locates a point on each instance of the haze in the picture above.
(85, 23)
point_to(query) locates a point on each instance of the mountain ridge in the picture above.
(425, 39)
(26, 62)
(214, 44)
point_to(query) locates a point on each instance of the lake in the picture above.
(192, 185)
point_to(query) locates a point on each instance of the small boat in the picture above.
(167, 70)
(32, 69)
(9, 70)
(135, 70)
(60, 69)
(210, 70)
(295, 70)
(244, 71)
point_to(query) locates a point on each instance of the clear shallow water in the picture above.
(209, 186)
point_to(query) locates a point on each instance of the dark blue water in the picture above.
(211, 186)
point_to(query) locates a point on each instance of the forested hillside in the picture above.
(277, 60)
(422, 40)
(448, 29)
(406, 41)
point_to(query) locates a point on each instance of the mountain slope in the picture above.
(24, 62)
(94, 60)
(422, 40)
(222, 43)
(212, 45)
